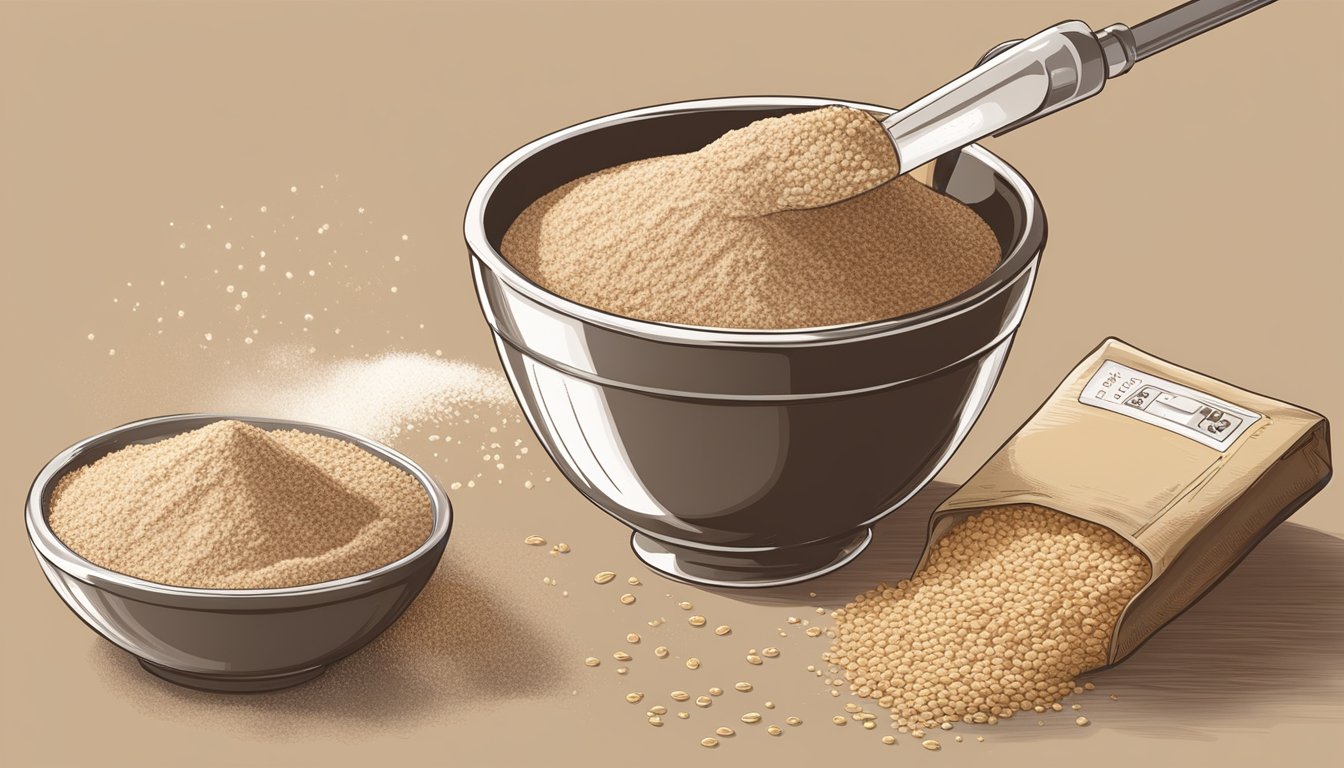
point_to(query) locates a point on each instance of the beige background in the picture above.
(1194, 211)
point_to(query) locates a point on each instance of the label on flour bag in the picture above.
(1154, 400)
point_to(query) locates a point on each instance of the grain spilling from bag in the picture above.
(1013, 604)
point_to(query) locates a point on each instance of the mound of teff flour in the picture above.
(232, 506)
(791, 222)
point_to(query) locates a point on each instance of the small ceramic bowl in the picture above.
(230, 639)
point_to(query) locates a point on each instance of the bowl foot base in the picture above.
(747, 568)
(233, 683)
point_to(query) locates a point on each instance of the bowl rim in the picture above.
(1019, 257)
(50, 547)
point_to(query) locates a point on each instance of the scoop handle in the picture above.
(1186, 21)
(1021, 81)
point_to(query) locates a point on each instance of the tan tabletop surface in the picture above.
(1194, 211)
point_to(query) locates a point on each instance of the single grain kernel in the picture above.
(1082, 721)
(634, 698)
(661, 652)
(692, 663)
(684, 715)
(770, 652)
(709, 741)
(812, 631)
(562, 548)
(658, 709)
(724, 730)
(839, 720)
(931, 745)
(592, 661)
(685, 606)
(622, 670)
(774, 730)
(627, 599)
(722, 630)
(888, 740)
(751, 717)
(680, 695)
(793, 720)
(703, 701)
(716, 691)
(744, 686)
(632, 638)
(621, 656)
(633, 581)
(656, 721)
(534, 541)
(754, 659)
(604, 577)
(696, 621)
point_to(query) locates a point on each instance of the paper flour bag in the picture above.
(1192, 471)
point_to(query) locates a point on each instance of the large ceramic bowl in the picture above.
(230, 639)
(745, 458)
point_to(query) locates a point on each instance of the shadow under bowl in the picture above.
(233, 640)
(745, 457)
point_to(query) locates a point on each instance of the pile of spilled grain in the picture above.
(1013, 604)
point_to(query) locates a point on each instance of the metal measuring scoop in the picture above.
(1020, 81)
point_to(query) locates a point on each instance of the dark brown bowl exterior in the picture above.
(745, 458)
(235, 640)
